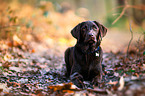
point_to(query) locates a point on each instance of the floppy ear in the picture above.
(76, 32)
(102, 28)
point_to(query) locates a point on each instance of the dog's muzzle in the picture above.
(91, 38)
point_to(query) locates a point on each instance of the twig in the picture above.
(117, 8)
(130, 39)
(126, 6)
(140, 7)
(122, 13)
(100, 91)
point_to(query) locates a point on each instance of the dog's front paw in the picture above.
(97, 80)
(77, 79)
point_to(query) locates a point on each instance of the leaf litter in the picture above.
(23, 72)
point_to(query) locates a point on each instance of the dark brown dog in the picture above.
(83, 61)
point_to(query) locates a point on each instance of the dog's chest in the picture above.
(89, 60)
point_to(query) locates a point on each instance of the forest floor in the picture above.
(25, 72)
(36, 67)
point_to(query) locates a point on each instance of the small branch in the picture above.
(130, 39)
(122, 13)
(139, 7)
(126, 6)
(117, 8)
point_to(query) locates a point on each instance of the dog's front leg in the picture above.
(98, 78)
(76, 77)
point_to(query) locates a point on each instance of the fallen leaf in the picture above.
(67, 91)
(112, 83)
(110, 93)
(121, 82)
(98, 90)
(32, 51)
(16, 40)
(134, 78)
(4, 88)
(14, 84)
(64, 86)
(6, 64)
(1, 90)
(22, 80)
(17, 69)
(7, 57)
(39, 93)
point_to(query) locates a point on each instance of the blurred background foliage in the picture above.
(49, 21)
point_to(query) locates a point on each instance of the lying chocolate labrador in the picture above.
(83, 61)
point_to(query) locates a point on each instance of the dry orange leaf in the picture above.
(6, 64)
(68, 91)
(14, 84)
(113, 83)
(33, 51)
(16, 40)
(64, 86)
(1, 90)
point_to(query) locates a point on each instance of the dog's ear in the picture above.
(76, 31)
(102, 28)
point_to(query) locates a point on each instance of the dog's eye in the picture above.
(94, 27)
(84, 29)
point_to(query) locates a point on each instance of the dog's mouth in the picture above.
(91, 41)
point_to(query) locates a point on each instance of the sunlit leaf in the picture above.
(42, 7)
(11, 19)
(22, 80)
(4, 88)
(18, 28)
(65, 86)
(29, 24)
(16, 69)
(17, 40)
(7, 57)
(112, 82)
(10, 11)
(32, 51)
(121, 83)
(46, 13)
(134, 78)
(14, 19)
(132, 70)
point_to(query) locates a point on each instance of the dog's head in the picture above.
(89, 32)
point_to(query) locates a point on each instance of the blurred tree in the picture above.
(65, 6)
(138, 15)
(119, 10)
(121, 2)
(78, 3)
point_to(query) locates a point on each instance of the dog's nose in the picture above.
(90, 34)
